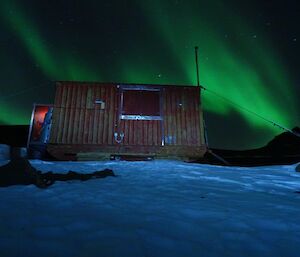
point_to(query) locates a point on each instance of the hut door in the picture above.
(140, 116)
(40, 125)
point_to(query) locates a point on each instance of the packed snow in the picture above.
(154, 208)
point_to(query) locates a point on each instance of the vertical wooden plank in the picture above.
(193, 117)
(150, 133)
(111, 115)
(190, 124)
(134, 132)
(154, 132)
(169, 117)
(124, 129)
(182, 113)
(158, 132)
(76, 109)
(83, 114)
(106, 127)
(177, 117)
(87, 115)
(138, 132)
(90, 113)
(196, 114)
(96, 115)
(121, 129)
(62, 113)
(116, 113)
(101, 119)
(159, 124)
(162, 122)
(180, 116)
(145, 132)
(165, 116)
(201, 123)
(80, 111)
(197, 117)
(68, 126)
(174, 119)
(67, 114)
(127, 125)
(71, 123)
(105, 119)
(131, 132)
(186, 116)
(142, 133)
(91, 109)
(91, 125)
(68, 111)
(56, 114)
(85, 119)
(110, 112)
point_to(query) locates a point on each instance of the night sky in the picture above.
(248, 53)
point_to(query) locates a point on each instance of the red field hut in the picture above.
(100, 120)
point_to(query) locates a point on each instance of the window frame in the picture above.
(139, 117)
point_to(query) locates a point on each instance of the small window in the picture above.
(140, 104)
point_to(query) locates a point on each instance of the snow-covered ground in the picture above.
(155, 208)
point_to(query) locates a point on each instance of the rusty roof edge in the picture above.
(121, 83)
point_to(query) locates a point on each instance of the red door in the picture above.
(140, 121)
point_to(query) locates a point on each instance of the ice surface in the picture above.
(155, 208)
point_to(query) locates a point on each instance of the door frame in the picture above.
(120, 116)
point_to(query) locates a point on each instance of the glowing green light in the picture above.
(57, 65)
(25, 29)
(247, 72)
(233, 63)
(54, 64)
(11, 115)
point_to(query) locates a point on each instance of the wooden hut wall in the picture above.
(76, 117)
(78, 120)
(141, 132)
(182, 116)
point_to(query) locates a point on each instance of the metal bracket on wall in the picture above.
(119, 137)
(101, 103)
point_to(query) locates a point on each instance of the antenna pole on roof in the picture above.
(197, 66)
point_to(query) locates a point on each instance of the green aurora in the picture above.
(234, 71)
(240, 65)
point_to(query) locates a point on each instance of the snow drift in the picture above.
(157, 208)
